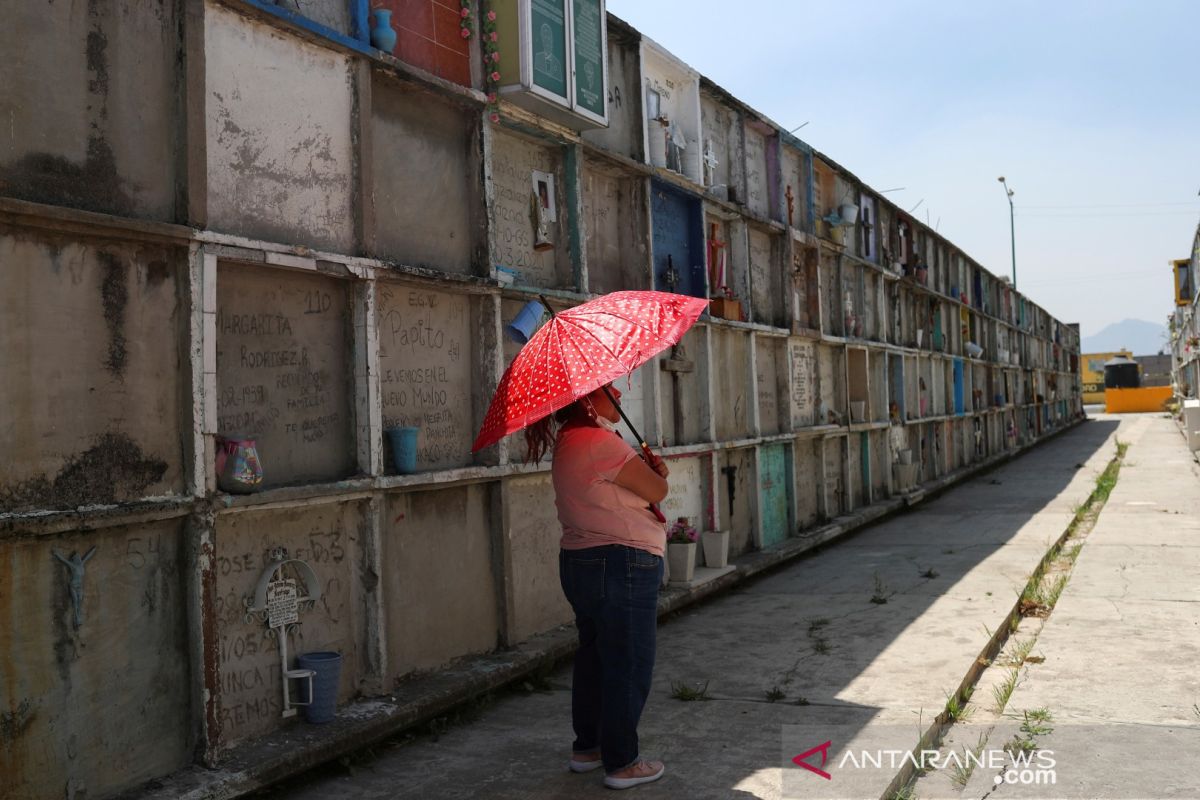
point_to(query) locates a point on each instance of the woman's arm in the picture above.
(646, 482)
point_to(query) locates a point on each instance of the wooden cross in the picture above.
(791, 198)
(676, 365)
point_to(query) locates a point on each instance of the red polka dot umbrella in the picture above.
(581, 349)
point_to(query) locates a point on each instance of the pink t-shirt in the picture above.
(593, 510)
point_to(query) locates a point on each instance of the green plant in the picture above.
(1003, 691)
(774, 694)
(930, 573)
(820, 646)
(958, 707)
(801, 701)
(960, 772)
(1056, 589)
(687, 693)
(815, 625)
(1021, 651)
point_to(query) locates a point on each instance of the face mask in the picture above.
(602, 421)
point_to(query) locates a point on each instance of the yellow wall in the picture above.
(1093, 378)
(1128, 401)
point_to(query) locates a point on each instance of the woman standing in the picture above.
(610, 566)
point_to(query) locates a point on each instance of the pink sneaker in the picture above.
(635, 775)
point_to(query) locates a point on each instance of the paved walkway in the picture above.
(1119, 681)
(799, 654)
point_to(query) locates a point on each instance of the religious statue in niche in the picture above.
(676, 147)
(544, 210)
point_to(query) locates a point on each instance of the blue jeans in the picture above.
(614, 593)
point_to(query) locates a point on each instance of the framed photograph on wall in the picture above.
(543, 189)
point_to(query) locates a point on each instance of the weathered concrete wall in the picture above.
(327, 537)
(802, 388)
(438, 581)
(90, 354)
(333, 14)
(513, 161)
(691, 492)
(686, 391)
(624, 132)
(774, 415)
(426, 349)
(533, 532)
(279, 166)
(722, 129)
(732, 362)
(91, 709)
(89, 106)
(807, 474)
(283, 370)
(737, 498)
(766, 279)
(424, 178)
(614, 213)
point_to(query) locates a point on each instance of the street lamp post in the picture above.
(1012, 230)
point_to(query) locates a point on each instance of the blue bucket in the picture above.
(327, 666)
(522, 328)
(404, 449)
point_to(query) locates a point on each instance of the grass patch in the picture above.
(820, 646)
(930, 573)
(815, 625)
(1003, 691)
(801, 701)
(688, 693)
(958, 706)
(774, 694)
(960, 773)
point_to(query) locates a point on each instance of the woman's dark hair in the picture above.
(540, 436)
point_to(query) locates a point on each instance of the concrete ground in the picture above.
(808, 654)
(1119, 685)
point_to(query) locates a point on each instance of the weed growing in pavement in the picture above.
(1021, 651)
(687, 693)
(1196, 709)
(1056, 589)
(774, 694)
(903, 793)
(958, 707)
(880, 596)
(1003, 691)
(820, 646)
(960, 772)
(801, 701)
(815, 625)
(930, 573)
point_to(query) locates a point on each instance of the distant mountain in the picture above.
(1143, 338)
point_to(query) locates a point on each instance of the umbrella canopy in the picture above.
(581, 349)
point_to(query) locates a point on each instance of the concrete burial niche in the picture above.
(616, 229)
(426, 357)
(90, 353)
(533, 532)
(722, 161)
(424, 165)
(762, 168)
(624, 132)
(808, 471)
(691, 492)
(283, 370)
(683, 389)
(439, 584)
(671, 93)
(737, 497)
(731, 383)
(327, 537)
(280, 167)
(71, 689)
(794, 166)
(831, 378)
(771, 363)
(766, 279)
(96, 88)
(526, 176)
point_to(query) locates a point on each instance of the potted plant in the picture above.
(681, 551)
(716, 548)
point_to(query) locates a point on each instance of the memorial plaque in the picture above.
(283, 603)
(589, 56)
(425, 347)
(283, 375)
(800, 354)
(548, 26)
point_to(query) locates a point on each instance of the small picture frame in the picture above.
(543, 189)
(653, 104)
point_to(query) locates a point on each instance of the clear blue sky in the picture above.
(1090, 109)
